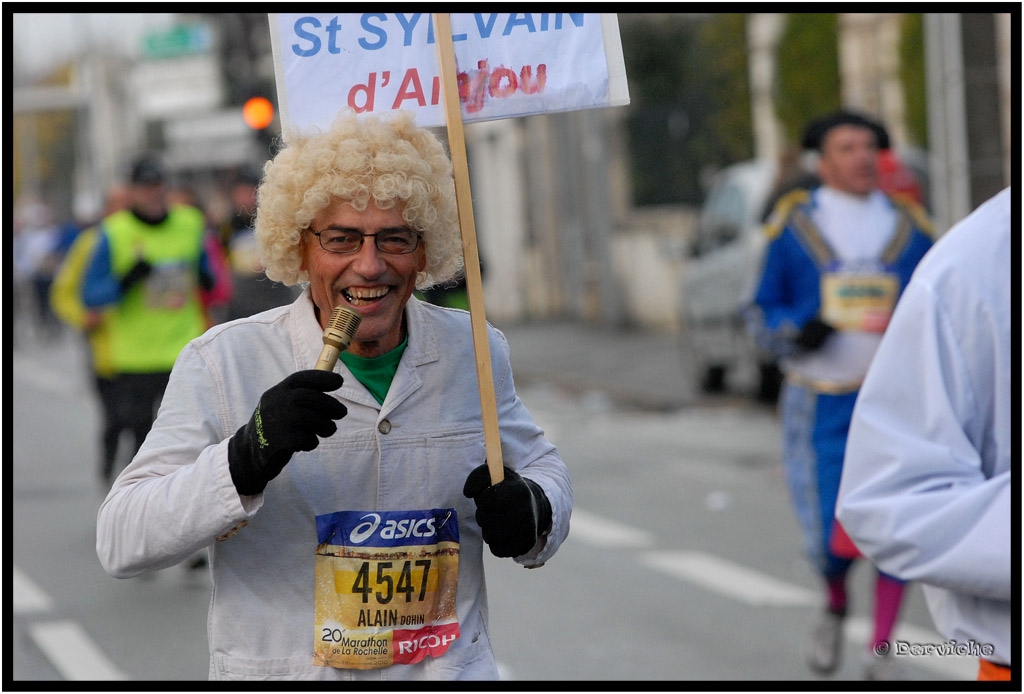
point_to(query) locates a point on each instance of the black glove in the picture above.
(288, 418)
(813, 334)
(512, 514)
(140, 271)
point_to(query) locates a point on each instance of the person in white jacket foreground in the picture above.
(925, 490)
(345, 511)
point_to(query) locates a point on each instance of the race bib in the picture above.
(385, 587)
(168, 286)
(853, 301)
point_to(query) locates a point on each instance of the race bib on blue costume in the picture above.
(385, 587)
(851, 300)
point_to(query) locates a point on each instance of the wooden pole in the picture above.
(474, 284)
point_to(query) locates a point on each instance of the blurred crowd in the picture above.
(42, 240)
(135, 278)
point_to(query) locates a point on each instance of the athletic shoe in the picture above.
(824, 646)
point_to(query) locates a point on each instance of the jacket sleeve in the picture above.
(66, 291)
(176, 496)
(920, 494)
(780, 307)
(526, 450)
(100, 288)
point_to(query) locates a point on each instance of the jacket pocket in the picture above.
(474, 661)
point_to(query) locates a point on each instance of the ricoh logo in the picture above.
(391, 529)
(426, 641)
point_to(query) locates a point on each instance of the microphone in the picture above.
(337, 336)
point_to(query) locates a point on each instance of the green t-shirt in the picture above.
(376, 373)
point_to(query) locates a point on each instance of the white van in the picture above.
(718, 278)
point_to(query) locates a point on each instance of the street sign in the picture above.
(179, 40)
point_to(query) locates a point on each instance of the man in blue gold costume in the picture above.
(837, 258)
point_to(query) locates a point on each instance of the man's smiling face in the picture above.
(376, 285)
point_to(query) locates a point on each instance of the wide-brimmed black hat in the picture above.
(814, 133)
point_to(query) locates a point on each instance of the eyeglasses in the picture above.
(392, 241)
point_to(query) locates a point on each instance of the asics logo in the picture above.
(364, 530)
(391, 529)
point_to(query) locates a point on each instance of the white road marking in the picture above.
(26, 595)
(602, 532)
(72, 652)
(64, 643)
(730, 579)
(753, 587)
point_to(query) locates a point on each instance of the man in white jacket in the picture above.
(925, 490)
(345, 511)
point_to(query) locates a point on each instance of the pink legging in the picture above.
(888, 598)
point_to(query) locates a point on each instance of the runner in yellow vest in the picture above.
(146, 272)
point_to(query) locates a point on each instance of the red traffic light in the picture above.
(258, 112)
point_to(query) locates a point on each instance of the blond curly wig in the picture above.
(386, 159)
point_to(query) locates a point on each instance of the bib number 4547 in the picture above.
(410, 580)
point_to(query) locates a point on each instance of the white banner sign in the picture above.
(508, 65)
